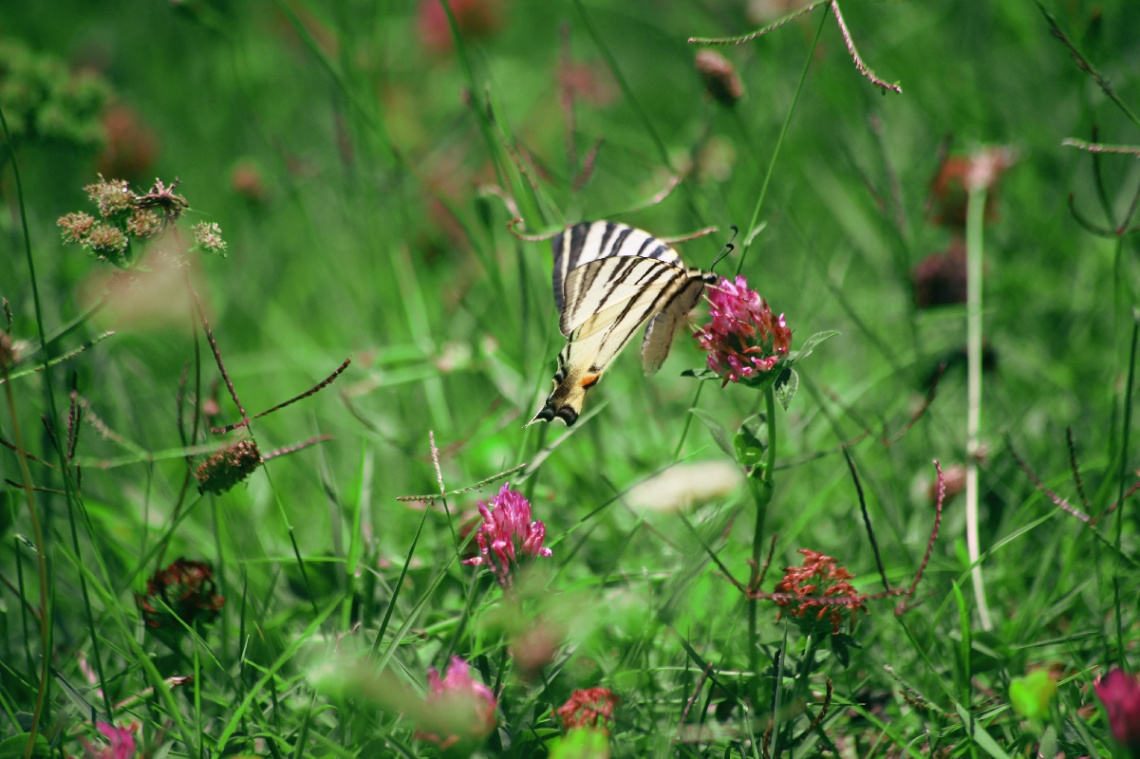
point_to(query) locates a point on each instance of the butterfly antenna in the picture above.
(728, 248)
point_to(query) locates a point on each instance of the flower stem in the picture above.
(761, 496)
(975, 219)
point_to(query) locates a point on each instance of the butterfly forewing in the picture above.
(609, 280)
(590, 241)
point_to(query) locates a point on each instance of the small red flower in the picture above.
(507, 538)
(187, 588)
(744, 339)
(474, 19)
(587, 707)
(818, 578)
(131, 144)
(1120, 694)
(459, 705)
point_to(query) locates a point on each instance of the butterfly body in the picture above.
(610, 280)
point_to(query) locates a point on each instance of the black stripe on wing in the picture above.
(630, 320)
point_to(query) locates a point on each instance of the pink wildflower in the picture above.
(744, 338)
(507, 537)
(459, 707)
(1120, 694)
(122, 743)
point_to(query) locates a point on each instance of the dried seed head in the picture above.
(228, 467)
(720, 77)
(164, 200)
(8, 355)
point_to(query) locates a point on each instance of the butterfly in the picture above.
(609, 280)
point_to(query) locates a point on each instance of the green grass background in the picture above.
(377, 238)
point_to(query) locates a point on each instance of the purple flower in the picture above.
(459, 708)
(744, 338)
(1120, 694)
(122, 743)
(507, 538)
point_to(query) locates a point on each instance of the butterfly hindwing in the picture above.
(609, 280)
(659, 334)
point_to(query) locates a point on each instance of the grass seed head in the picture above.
(228, 467)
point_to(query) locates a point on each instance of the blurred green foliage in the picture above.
(363, 169)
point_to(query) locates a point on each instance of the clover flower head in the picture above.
(819, 585)
(588, 707)
(1120, 694)
(745, 339)
(121, 743)
(461, 707)
(186, 587)
(507, 537)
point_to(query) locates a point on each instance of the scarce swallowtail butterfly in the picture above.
(609, 280)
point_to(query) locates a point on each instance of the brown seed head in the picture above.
(720, 77)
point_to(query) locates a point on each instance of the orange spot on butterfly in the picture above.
(590, 380)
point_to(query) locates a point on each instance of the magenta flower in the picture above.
(1120, 694)
(122, 743)
(458, 708)
(744, 339)
(507, 538)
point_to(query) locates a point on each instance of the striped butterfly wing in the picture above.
(590, 241)
(659, 334)
(610, 280)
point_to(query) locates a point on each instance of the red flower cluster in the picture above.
(1120, 694)
(587, 707)
(507, 538)
(818, 578)
(744, 338)
(459, 704)
(187, 588)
